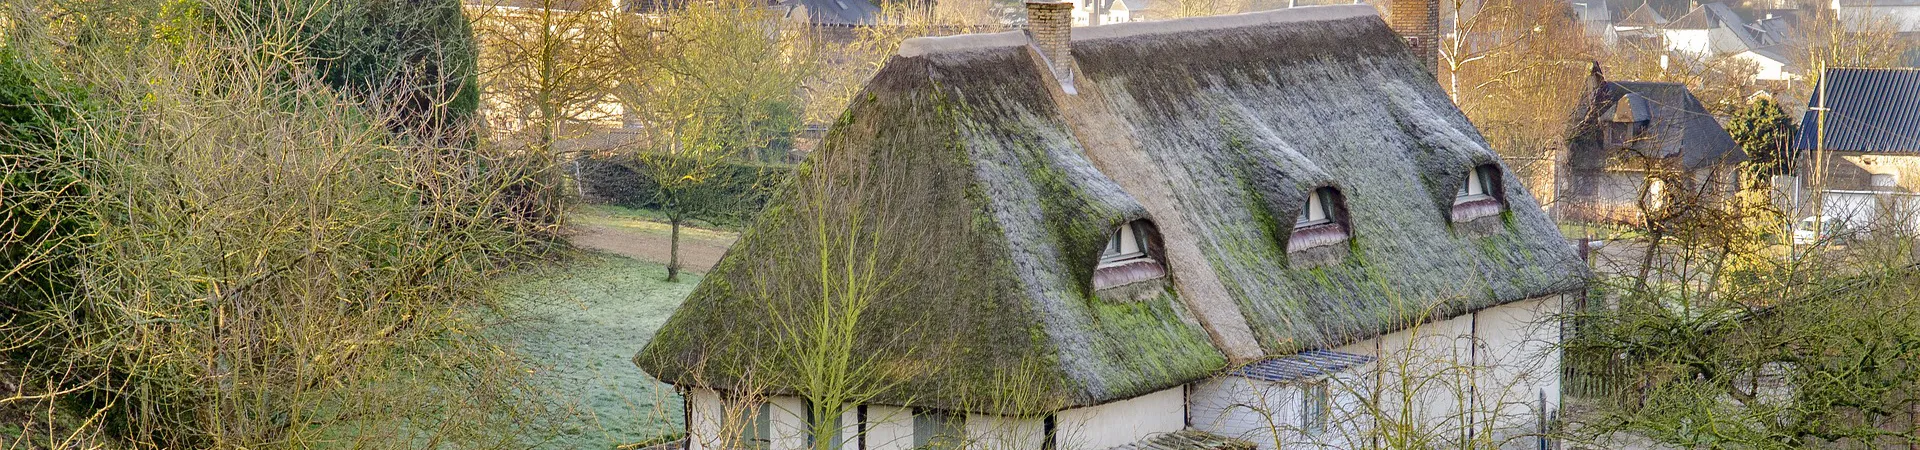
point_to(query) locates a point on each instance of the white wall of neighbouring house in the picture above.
(1769, 68)
(1113, 424)
(1902, 18)
(1698, 43)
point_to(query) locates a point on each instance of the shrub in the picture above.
(264, 264)
(743, 187)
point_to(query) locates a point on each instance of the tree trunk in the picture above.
(673, 251)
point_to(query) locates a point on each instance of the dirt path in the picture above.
(698, 253)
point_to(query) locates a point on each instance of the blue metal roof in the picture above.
(1869, 110)
(1300, 366)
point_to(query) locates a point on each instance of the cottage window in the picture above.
(1313, 407)
(1320, 222)
(1129, 257)
(1884, 180)
(1126, 245)
(1479, 196)
(1319, 209)
(756, 432)
(939, 430)
(814, 423)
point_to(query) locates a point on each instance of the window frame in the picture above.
(839, 433)
(942, 421)
(1330, 228)
(1114, 253)
(1321, 201)
(1486, 177)
(757, 432)
(1315, 405)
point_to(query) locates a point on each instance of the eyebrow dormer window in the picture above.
(1320, 222)
(1479, 196)
(1126, 245)
(1131, 256)
(1319, 209)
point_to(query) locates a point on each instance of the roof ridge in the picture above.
(1287, 15)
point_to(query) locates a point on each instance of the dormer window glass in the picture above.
(1479, 196)
(1479, 185)
(1319, 209)
(1131, 256)
(1321, 221)
(1126, 245)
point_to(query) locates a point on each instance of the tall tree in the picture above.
(727, 83)
(550, 68)
(1765, 133)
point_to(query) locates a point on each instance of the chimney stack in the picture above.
(1049, 29)
(1419, 22)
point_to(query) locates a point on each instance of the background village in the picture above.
(757, 224)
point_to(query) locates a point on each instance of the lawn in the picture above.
(647, 221)
(584, 321)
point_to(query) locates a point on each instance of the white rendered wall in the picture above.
(1521, 359)
(889, 428)
(1268, 414)
(788, 423)
(704, 414)
(1695, 42)
(1769, 69)
(1900, 18)
(990, 432)
(1495, 365)
(1113, 424)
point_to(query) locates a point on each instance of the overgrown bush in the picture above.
(241, 255)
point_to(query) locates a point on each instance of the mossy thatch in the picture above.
(1001, 191)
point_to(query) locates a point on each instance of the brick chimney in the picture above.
(1050, 30)
(1419, 22)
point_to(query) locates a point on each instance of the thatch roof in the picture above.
(1215, 129)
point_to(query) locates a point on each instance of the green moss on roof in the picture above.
(1004, 214)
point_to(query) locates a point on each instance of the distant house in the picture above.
(1102, 12)
(1209, 233)
(1709, 29)
(1902, 15)
(1637, 146)
(1597, 18)
(1867, 142)
(832, 13)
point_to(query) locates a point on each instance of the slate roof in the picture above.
(1678, 123)
(833, 12)
(1188, 440)
(1300, 366)
(1721, 15)
(1869, 110)
(1880, 3)
(1644, 17)
(999, 190)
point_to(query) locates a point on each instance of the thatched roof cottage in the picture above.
(1109, 236)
